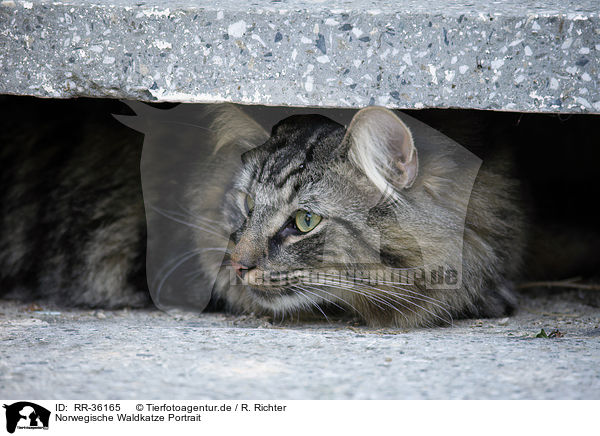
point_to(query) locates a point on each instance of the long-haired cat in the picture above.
(312, 198)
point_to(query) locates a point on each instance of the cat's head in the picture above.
(316, 197)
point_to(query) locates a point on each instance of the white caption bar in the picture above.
(149, 417)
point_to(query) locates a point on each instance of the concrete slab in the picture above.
(509, 55)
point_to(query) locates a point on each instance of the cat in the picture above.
(73, 229)
(310, 197)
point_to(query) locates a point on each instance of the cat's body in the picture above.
(77, 235)
(73, 228)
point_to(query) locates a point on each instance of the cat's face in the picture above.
(300, 206)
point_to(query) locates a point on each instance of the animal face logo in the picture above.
(26, 415)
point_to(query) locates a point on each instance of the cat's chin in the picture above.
(270, 292)
(275, 298)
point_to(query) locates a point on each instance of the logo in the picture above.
(26, 415)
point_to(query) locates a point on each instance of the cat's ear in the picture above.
(231, 125)
(381, 145)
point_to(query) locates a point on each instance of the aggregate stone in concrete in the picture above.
(52, 353)
(510, 55)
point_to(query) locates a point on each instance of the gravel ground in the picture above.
(51, 353)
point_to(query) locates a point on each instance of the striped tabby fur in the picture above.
(73, 226)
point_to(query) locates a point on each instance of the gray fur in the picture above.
(83, 244)
(73, 227)
(305, 165)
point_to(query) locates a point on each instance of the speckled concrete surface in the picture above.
(59, 354)
(510, 55)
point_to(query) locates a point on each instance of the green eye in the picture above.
(306, 221)
(249, 203)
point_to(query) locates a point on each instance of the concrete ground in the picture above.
(50, 353)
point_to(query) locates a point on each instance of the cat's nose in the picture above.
(241, 269)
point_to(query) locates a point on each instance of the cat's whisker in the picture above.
(166, 215)
(182, 259)
(389, 302)
(195, 215)
(188, 125)
(430, 300)
(307, 284)
(386, 301)
(408, 300)
(305, 304)
(168, 274)
(416, 295)
(388, 298)
(205, 221)
(281, 313)
(314, 304)
(193, 276)
(390, 294)
(320, 296)
(372, 297)
(178, 257)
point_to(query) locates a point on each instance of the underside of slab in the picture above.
(510, 55)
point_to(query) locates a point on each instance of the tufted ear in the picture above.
(381, 145)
